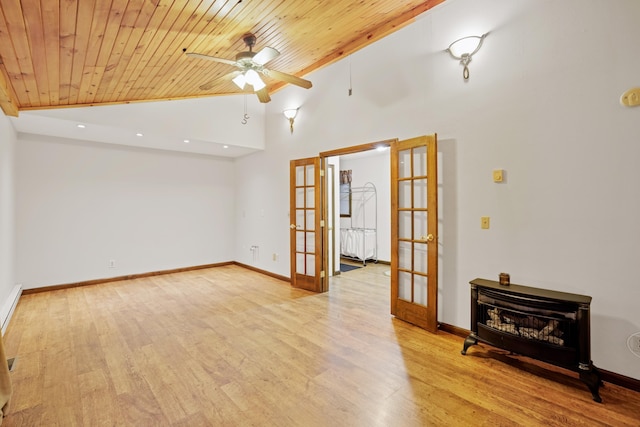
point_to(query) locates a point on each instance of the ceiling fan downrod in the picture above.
(250, 40)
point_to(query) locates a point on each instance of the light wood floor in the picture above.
(228, 346)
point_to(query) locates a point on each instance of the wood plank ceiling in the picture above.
(62, 53)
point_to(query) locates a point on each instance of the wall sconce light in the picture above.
(464, 48)
(291, 114)
(631, 98)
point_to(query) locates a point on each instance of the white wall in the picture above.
(81, 204)
(7, 207)
(542, 103)
(262, 212)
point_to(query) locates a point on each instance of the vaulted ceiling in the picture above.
(62, 53)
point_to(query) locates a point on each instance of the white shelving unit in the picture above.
(360, 240)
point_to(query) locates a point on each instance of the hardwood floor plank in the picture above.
(229, 346)
(138, 408)
(97, 394)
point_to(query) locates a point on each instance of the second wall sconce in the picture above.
(631, 98)
(291, 114)
(464, 48)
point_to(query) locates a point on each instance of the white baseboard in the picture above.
(9, 306)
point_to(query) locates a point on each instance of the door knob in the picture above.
(428, 238)
(293, 226)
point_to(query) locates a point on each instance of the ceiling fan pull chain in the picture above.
(246, 116)
(350, 85)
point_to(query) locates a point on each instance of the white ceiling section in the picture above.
(209, 124)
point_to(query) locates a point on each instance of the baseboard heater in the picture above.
(9, 306)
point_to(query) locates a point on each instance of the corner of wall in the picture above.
(9, 292)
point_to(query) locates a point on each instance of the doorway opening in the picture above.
(357, 206)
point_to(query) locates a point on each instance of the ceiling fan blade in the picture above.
(229, 76)
(265, 55)
(211, 58)
(263, 95)
(288, 78)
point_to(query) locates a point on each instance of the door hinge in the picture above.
(322, 274)
(322, 223)
(321, 172)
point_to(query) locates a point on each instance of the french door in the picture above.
(306, 225)
(414, 231)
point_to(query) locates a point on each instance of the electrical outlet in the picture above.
(633, 342)
(275, 257)
(112, 263)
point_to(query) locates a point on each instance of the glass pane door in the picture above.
(306, 240)
(414, 231)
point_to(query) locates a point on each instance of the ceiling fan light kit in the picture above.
(240, 80)
(254, 79)
(464, 48)
(251, 65)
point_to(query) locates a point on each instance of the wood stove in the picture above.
(542, 324)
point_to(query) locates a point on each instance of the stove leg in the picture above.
(592, 379)
(468, 342)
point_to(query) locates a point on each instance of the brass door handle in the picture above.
(293, 226)
(429, 237)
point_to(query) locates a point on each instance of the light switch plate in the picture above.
(497, 175)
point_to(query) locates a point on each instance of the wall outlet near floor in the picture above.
(275, 257)
(633, 342)
(112, 263)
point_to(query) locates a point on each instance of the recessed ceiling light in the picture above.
(138, 134)
(225, 146)
(81, 126)
(186, 141)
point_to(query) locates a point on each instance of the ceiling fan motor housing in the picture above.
(245, 57)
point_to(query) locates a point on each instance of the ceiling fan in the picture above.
(251, 65)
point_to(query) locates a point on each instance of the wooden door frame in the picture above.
(324, 165)
(331, 188)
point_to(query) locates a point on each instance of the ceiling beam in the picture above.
(8, 101)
